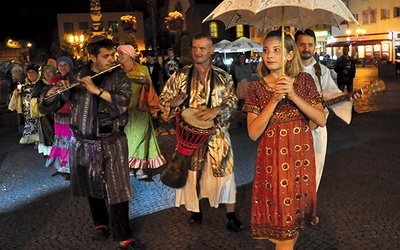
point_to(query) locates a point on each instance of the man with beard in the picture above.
(306, 43)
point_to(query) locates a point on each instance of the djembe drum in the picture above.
(191, 134)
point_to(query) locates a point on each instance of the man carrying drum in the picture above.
(210, 91)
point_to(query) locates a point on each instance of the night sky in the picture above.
(36, 20)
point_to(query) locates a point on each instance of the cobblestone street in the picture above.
(358, 200)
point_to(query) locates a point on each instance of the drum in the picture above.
(191, 132)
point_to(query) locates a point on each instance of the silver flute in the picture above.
(60, 91)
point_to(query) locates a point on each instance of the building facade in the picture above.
(377, 36)
(79, 25)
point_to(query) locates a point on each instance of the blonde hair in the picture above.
(292, 67)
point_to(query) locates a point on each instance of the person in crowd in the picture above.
(99, 147)
(155, 72)
(144, 152)
(59, 153)
(24, 66)
(219, 62)
(212, 91)
(279, 107)
(306, 43)
(170, 64)
(46, 122)
(243, 72)
(156, 78)
(10, 80)
(30, 133)
(345, 67)
(18, 79)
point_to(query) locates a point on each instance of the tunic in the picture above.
(217, 179)
(284, 194)
(99, 148)
(30, 133)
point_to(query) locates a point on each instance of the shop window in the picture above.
(385, 14)
(213, 30)
(397, 53)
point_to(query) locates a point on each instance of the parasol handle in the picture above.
(283, 51)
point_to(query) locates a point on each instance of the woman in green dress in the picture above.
(144, 151)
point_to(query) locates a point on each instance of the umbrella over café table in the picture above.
(219, 46)
(242, 44)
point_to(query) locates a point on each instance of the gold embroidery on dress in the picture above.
(285, 166)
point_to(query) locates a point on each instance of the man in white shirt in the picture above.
(306, 43)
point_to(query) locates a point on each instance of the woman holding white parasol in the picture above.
(279, 108)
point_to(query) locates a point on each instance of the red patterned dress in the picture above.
(283, 197)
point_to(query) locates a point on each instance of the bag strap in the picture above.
(189, 85)
(318, 73)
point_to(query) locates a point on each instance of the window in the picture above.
(396, 12)
(356, 16)
(373, 16)
(113, 26)
(68, 27)
(239, 30)
(213, 30)
(83, 26)
(365, 17)
(385, 14)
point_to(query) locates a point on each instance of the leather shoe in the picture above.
(234, 225)
(196, 218)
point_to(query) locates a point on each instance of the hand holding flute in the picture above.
(64, 85)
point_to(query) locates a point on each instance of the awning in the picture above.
(371, 42)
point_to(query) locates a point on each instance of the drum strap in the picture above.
(189, 85)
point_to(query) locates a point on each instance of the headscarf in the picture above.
(127, 49)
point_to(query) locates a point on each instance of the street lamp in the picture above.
(77, 43)
(360, 32)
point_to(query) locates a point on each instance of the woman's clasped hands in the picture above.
(284, 88)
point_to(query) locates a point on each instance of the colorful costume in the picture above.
(284, 193)
(144, 151)
(30, 133)
(217, 181)
(59, 153)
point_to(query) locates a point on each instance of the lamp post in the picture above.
(358, 53)
(76, 42)
(152, 4)
(360, 32)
